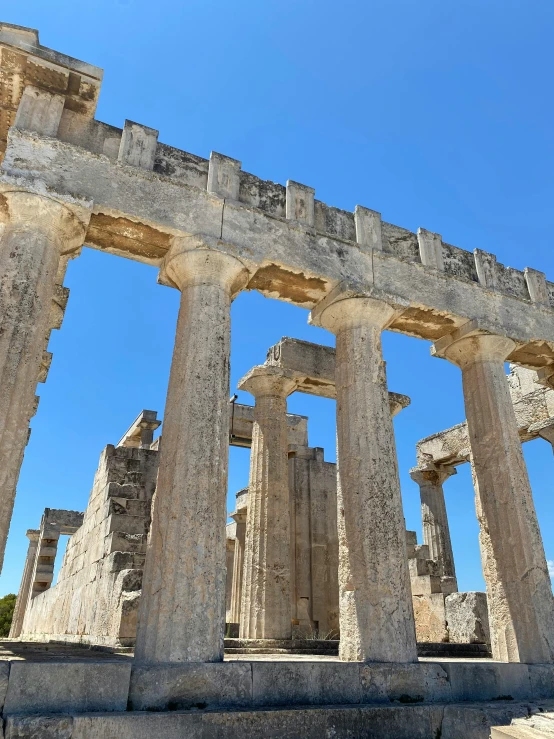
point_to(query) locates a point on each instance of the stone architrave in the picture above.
(25, 587)
(436, 531)
(238, 564)
(266, 592)
(182, 609)
(521, 607)
(375, 601)
(39, 230)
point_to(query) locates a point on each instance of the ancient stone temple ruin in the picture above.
(313, 612)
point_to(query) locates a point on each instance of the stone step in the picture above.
(331, 647)
(455, 721)
(276, 650)
(535, 726)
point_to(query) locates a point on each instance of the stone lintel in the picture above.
(315, 365)
(65, 522)
(241, 420)
(286, 257)
(139, 433)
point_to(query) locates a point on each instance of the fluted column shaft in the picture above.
(182, 609)
(436, 531)
(26, 583)
(39, 230)
(376, 613)
(238, 564)
(521, 607)
(266, 590)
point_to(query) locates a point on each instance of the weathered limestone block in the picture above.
(182, 609)
(304, 683)
(39, 111)
(98, 591)
(138, 145)
(39, 727)
(64, 687)
(368, 228)
(376, 612)
(187, 686)
(224, 176)
(404, 683)
(266, 593)
(300, 203)
(468, 618)
(430, 617)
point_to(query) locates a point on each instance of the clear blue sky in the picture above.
(438, 114)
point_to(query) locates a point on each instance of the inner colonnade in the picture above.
(213, 230)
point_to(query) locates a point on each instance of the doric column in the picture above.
(38, 231)
(376, 613)
(229, 567)
(436, 532)
(182, 609)
(25, 587)
(266, 594)
(236, 588)
(521, 607)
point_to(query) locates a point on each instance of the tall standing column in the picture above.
(25, 587)
(521, 607)
(436, 531)
(38, 232)
(236, 592)
(182, 608)
(266, 595)
(375, 601)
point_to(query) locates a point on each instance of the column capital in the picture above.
(467, 345)
(264, 380)
(64, 223)
(432, 474)
(239, 516)
(346, 307)
(202, 260)
(32, 534)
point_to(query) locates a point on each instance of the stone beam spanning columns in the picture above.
(436, 532)
(182, 609)
(376, 612)
(39, 230)
(26, 582)
(266, 595)
(521, 607)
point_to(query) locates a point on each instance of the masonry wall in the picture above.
(314, 543)
(98, 590)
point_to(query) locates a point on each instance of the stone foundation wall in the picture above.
(97, 593)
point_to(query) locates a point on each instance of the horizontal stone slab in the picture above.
(63, 687)
(182, 686)
(373, 722)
